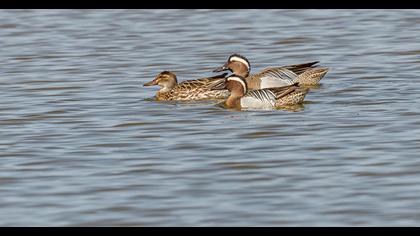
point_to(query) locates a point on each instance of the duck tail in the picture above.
(312, 76)
(300, 68)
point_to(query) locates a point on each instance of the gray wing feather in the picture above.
(264, 95)
(281, 73)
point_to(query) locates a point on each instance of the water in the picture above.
(83, 144)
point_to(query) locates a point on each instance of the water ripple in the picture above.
(84, 144)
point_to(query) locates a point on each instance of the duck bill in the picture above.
(151, 83)
(219, 86)
(220, 69)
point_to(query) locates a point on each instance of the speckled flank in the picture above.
(192, 94)
(293, 98)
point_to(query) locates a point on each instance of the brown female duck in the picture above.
(198, 89)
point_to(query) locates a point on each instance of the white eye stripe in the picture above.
(239, 80)
(240, 60)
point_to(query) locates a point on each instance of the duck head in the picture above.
(236, 85)
(166, 80)
(237, 64)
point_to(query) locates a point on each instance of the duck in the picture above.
(198, 89)
(269, 98)
(305, 74)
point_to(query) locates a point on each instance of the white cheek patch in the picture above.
(240, 60)
(238, 80)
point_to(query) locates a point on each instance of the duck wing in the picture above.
(258, 98)
(283, 91)
(300, 68)
(273, 77)
(205, 82)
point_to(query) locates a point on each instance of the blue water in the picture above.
(83, 144)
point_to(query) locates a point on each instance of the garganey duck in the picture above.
(305, 74)
(198, 89)
(242, 98)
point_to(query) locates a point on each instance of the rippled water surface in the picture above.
(83, 144)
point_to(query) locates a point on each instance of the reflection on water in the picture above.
(83, 143)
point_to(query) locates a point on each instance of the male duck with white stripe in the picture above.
(305, 74)
(242, 98)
